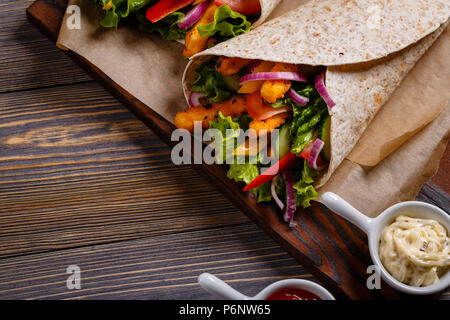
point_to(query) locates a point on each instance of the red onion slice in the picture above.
(319, 82)
(274, 194)
(194, 98)
(193, 16)
(290, 199)
(301, 100)
(293, 76)
(314, 154)
(252, 66)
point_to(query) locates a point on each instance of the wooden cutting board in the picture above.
(332, 249)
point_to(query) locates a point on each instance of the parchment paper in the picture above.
(397, 178)
(403, 141)
(423, 94)
(147, 66)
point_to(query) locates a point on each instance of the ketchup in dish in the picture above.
(292, 294)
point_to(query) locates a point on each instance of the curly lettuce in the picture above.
(116, 10)
(227, 24)
(211, 83)
(304, 123)
(239, 172)
(304, 188)
(228, 139)
(246, 173)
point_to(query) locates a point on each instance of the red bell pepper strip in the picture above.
(165, 7)
(245, 7)
(285, 163)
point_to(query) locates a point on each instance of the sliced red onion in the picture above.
(274, 194)
(290, 199)
(301, 100)
(293, 76)
(194, 98)
(252, 66)
(193, 16)
(320, 86)
(314, 154)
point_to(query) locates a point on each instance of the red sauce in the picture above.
(292, 294)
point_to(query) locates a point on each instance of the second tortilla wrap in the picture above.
(267, 6)
(368, 48)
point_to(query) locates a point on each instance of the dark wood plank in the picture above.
(324, 243)
(76, 168)
(163, 267)
(27, 59)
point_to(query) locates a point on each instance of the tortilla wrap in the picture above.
(267, 6)
(368, 48)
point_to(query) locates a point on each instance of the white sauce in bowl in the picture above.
(415, 251)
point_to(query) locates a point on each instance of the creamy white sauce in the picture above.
(415, 251)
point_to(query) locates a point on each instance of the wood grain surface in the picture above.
(63, 144)
(83, 182)
(161, 267)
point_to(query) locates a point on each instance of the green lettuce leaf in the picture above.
(211, 83)
(167, 27)
(228, 142)
(305, 123)
(246, 173)
(120, 9)
(227, 24)
(304, 189)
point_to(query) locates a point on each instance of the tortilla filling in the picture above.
(201, 23)
(235, 93)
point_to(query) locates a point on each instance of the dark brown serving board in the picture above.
(331, 248)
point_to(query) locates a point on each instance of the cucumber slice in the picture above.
(232, 81)
(283, 142)
(324, 135)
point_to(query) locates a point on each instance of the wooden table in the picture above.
(83, 182)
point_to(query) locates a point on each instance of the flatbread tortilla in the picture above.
(368, 48)
(267, 8)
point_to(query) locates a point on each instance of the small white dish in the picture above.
(221, 290)
(373, 227)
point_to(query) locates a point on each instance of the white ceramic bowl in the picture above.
(221, 290)
(373, 227)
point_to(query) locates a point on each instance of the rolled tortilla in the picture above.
(267, 8)
(368, 48)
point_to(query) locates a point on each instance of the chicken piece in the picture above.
(252, 86)
(269, 124)
(272, 90)
(233, 107)
(186, 119)
(194, 42)
(229, 66)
